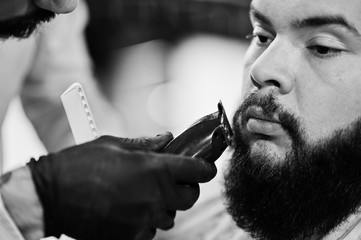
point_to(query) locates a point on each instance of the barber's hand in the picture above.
(116, 188)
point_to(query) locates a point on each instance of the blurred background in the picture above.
(161, 63)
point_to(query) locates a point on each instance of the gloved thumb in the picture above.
(156, 143)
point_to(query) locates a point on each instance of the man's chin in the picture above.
(267, 148)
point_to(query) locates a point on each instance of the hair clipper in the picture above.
(207, 138)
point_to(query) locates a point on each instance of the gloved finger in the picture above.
(161, 217)
(172, 213)
(146, 234)
(164, 220)
(152, 144)
(169, 221)
(191, 170)
(187, 195)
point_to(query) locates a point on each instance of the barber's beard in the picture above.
(303, 196)
(24, 26)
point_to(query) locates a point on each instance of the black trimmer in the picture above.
(207, 138)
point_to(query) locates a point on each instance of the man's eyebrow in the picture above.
(259, 16)
(316, 21)
(319, 21)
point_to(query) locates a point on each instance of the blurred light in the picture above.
(169, 98)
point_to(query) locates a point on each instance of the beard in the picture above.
(24, 26)
(308, 193)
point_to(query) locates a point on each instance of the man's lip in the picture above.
(258, 123)
(257, 113)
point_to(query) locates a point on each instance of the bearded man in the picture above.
(296, 157)
(295, 170)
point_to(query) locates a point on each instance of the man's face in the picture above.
(19, 18)
(295, 171)
(303, 52)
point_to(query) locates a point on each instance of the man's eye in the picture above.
(260, 39)
(324, 51)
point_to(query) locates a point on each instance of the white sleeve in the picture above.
(8, 229)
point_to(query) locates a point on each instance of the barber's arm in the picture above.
(62, 59)
(112, 188)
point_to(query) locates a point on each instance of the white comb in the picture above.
(79, 115)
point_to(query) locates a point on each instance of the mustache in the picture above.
(270, 107)
(267, 103)
(24, 26)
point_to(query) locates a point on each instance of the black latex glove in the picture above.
(114, 188)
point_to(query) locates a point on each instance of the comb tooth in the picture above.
(79, 115)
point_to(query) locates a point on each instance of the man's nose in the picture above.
(57, 6)
(274, 68)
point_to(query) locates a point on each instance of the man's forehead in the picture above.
(297, 10)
